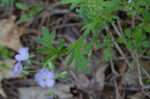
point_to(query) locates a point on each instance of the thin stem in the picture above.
(50, 59)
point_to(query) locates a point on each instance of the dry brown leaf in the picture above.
(5, 73)
(100, 77)
(10, 34)
(145, 64)
(63, 91)
(60, 90)
(33, 93)
(137, 96)
(129, 77)
(83, 80)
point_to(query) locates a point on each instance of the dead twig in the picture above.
(133, 21)
(116, 29)
(66, 25)
(113, 68)
(116, 90)
(146, 73)
(133, 54)
(139, 70)
(119, 25)
(132, 88)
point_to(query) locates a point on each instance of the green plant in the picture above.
(99, 14)
(76, 49)
(4, 53)
(30, 11)
(6, 3)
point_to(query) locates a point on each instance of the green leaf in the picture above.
(53, 35)
(5, 66)
(70, 60)
(61, 75)
(6, 3)
(43, 42)
(146, 44)
(101, 45)
(24, 17)
(80, 61)
(60, 44)
(50, 92)
(50, 66)
(147, 28)
(47, 40)
(140, 51)
(24, 73)
(4, 52)
(122, 40)
(45, 32)
(74, 3)
(34, 10)
(148, 53)
(128, 33)
(129, 45)
(137, 34)
(22, 6)
(43, 51)
(132, 13)
(146, 15)
(82, 37)
(108, 54)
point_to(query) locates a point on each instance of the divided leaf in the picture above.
(47, 40)
(22, 6)
(73, 2)
(80, 61)
(70, 60)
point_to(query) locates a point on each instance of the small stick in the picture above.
(139, 71)
(116, 29)
(119, 25)
(113, 69)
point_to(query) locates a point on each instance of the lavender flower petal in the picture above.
(51, 97)
(17, 69)
(45, 78)
(23, 54)
(129, 1)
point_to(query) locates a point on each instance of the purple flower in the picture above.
(129, 1)
(17, 69)
(51, 97)
(23, 54)
(45, 78)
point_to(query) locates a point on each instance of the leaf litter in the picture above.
(91, 85)
(6, 69)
